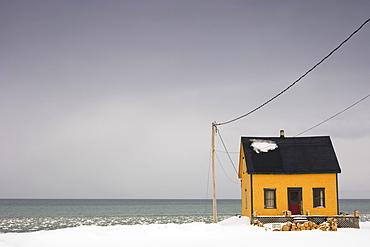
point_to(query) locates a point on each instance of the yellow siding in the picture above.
(242, 163)
(246, 196)
(253, 185)
(246, 186)
(305, 181)
(281, 183)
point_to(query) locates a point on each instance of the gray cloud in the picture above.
(116, 99)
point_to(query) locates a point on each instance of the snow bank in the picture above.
(232, 232)
(263, 145)
(236, 221)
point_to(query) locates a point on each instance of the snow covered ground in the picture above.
(231, 232)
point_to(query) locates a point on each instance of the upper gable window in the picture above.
(243, 165)
(318, 197)
(246, 198)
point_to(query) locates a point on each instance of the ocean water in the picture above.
(26, 215)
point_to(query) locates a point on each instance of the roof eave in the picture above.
(293, 173)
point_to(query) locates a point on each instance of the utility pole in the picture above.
(214, 174)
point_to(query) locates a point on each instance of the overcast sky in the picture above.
(115, 99)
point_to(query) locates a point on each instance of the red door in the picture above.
(294, 197)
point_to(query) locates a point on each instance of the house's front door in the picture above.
(295, 198)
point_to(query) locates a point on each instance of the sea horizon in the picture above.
(65, 198)
(29, 214)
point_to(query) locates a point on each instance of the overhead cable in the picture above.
(326, 120)
(232, 163)
(219, 162)
(296, 81)
(209, 172)
(345, 109)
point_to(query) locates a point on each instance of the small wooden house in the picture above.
(298, 174)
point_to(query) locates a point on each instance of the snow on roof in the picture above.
(259, 145)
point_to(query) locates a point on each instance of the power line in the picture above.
(326, 120)
(227, 152)
(296, 81)
(219, 162)
(232, 163)
(209, 172)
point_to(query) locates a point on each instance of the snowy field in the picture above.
(231, 232)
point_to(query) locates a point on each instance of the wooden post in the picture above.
(214, 174)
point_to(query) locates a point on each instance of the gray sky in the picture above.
(115, 99)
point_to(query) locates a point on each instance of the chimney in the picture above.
(282, 134)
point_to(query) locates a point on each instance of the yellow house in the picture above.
(298, 174)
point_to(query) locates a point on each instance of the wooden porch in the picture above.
(344, 221)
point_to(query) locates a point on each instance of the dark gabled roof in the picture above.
(293, 155)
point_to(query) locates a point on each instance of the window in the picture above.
(246, 198)
(319, 197)
(270, 198)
